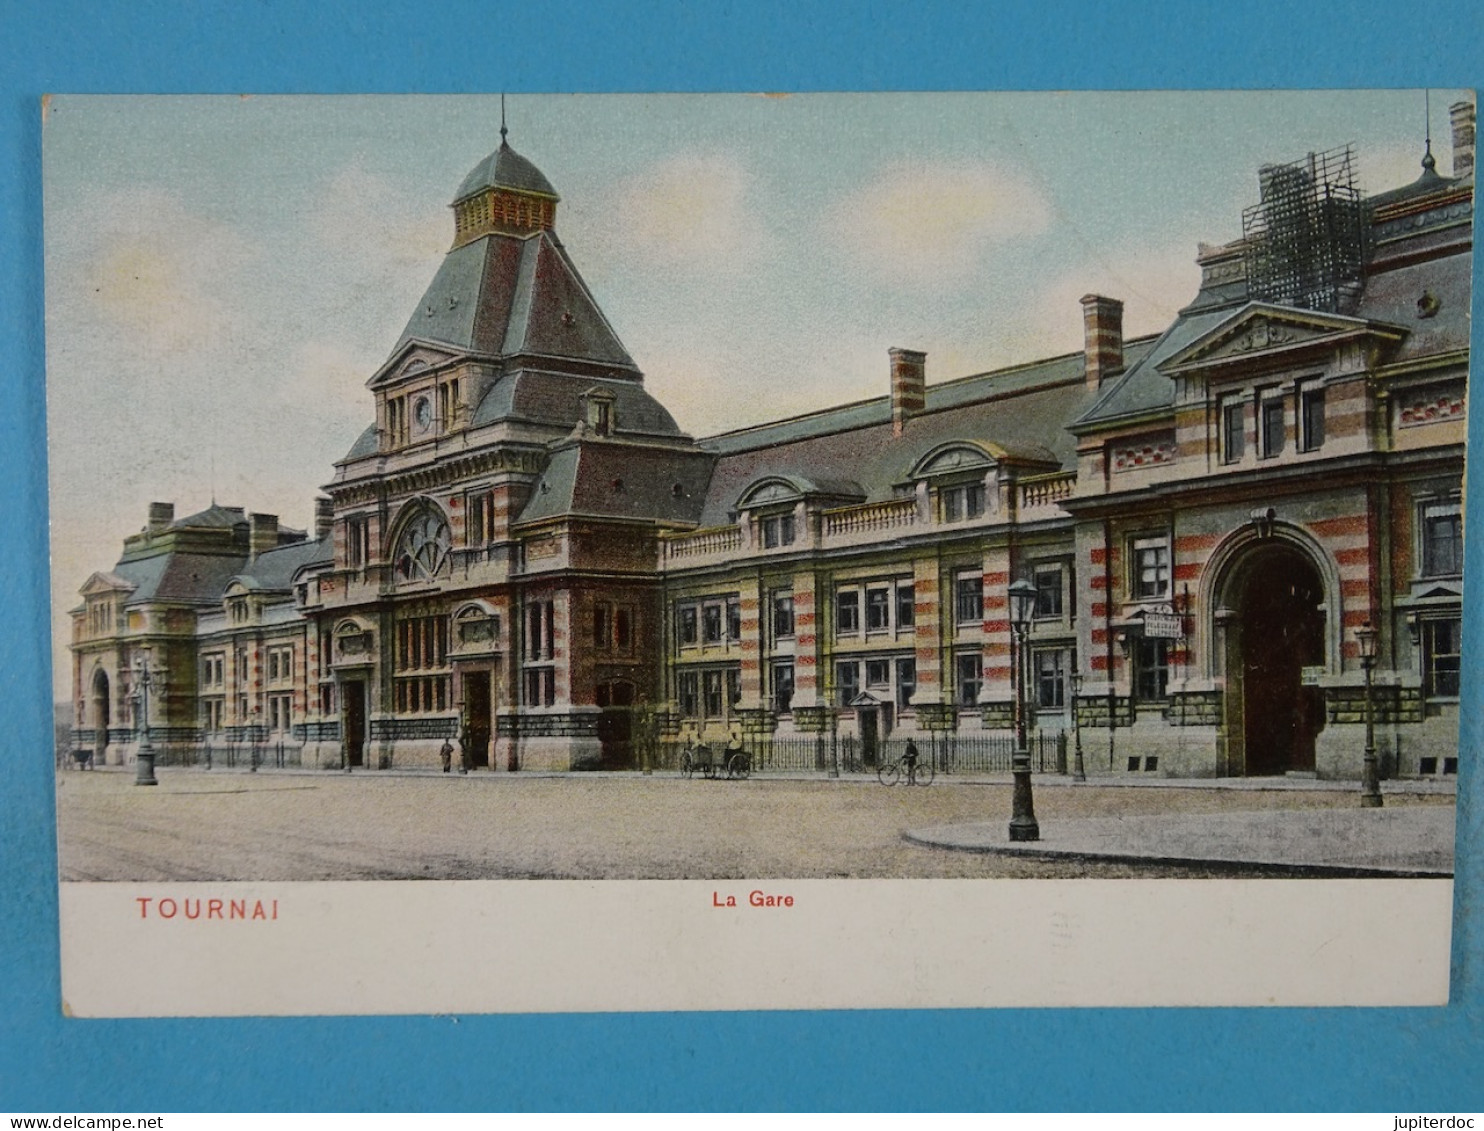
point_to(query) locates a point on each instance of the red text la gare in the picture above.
(754, 899)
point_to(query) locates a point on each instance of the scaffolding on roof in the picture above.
(1306, 240)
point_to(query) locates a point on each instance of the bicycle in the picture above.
(918, 771)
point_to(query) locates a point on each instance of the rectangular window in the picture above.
(357, 541)
(1442, 539)
(906, 683)
(734, 688)
(688, 694)
(1311, 418)
(540, 643)
(961, 504)
(711, 623)
(280, 664)
(280, 712)
(906, 611)
(602, 626)
(1271, 420)
(540, 687)
(783, 615)
(1151, 668)
(847, 682)
(1048, 594)
(1051, 678)
(1233, 430)
(711, 690)
(848, 612)
(878, 673)
(687, 625)
(878, 609)
(623, 629)
(778, 530)
(783, 687)
(734, 619)
(422, 647)
(481, 519)
(970, 671)
(1151, 568)
(1441, 657)
(968, 598)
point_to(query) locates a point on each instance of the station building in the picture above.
(523, 549)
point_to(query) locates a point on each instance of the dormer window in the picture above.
(963, 503)
(956, 474)
(600, 414)
(778, 530)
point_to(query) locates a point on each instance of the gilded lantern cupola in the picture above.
(503, 195)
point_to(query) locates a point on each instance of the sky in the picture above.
(224, 274)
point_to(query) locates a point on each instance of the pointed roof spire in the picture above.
(503, 131)
(1429, 163)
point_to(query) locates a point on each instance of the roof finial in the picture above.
(502, 118)
(1429, 163)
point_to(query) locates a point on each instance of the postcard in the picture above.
(663, 552)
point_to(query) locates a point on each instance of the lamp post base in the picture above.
(1370, 783)
(1023, 825)
(144, 773)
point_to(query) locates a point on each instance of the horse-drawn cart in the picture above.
(732, 765)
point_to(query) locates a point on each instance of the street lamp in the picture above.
(1022, 809)
(1370, 781)
(144, 758)
(1079, 770)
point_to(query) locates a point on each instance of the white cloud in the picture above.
(156, 273)
(362, 219)
(935, 221)
(691, 212)
(1153, 283)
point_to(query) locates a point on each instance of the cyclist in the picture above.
(909, 759)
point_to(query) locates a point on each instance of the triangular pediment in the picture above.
(1262, 330)
(104, 582)
(410, 359)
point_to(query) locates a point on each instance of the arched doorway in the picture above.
(101, 716)
(1277, 629)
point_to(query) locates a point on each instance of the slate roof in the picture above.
(1019, 412)
(1391, 296)
(507, 169)
(190, 578)
(505, 296)
(214, 516)
(556, 398)
(1430, 181)
(365, 445)
(603, 478)
(275, 569)
(1142, 387)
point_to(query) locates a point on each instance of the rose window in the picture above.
(422, 551)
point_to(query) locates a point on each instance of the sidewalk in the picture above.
(1447, 787)
(1405, 841)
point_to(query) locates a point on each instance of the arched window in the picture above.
(422, 547)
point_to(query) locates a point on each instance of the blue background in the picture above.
(1387, 1060)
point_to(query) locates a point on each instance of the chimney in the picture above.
(1102, 337)
(324, 517)
(262, 533)
(1462, 116)
(908, 386)
(161, 515)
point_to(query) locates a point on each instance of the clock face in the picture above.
(423, 412)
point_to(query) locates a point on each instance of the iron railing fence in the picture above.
(268, 754)
(950, 752)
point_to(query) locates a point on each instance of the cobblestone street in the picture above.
(376, 826)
